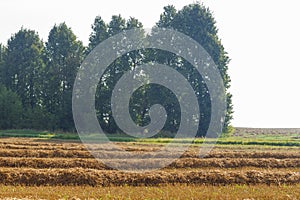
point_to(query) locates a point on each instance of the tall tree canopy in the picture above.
(193, 20)
(116, 25)
(99, 33)
(64, 56)
(41, 75)
(2, 55)
(24, 65)
(197, 21)
(114, 71)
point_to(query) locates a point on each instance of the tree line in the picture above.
(36, 77)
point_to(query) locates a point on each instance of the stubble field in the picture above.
(54, 169)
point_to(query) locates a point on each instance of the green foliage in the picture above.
(116, 25)
(10, 109)
(167, 17)
(37, 118)
(98, 34)
(64, 56)
(197, 21)
(2, 56)
(229, 131)
(41, 76)
(23, 66)
(115, 70)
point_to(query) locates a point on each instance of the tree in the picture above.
(197, 22)
(64, 56)
(116, 25)
(167, 16)
(2, 55)
(10, 109)
(108, 80)
(99, 33)
(133, 23)
(23, 67)
(116, 69)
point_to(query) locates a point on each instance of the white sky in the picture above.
(261, 37)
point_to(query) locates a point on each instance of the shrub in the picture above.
(10, 109)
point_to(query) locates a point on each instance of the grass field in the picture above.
(48, 167)
(274, 137)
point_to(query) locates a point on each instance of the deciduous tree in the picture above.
(197, 21)
(64, 56)
(23, 67)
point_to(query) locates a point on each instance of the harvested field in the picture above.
(79, 177)
(32, 162)
(49, 169)
(183, 163)
(181, 191)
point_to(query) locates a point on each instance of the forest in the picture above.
(37, 77)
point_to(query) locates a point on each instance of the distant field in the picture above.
(242, 136)
(253, 132)
(36, 168)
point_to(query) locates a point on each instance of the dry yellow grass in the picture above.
(228, 192)
(183, 163)
(80, 176)
(40, 169)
